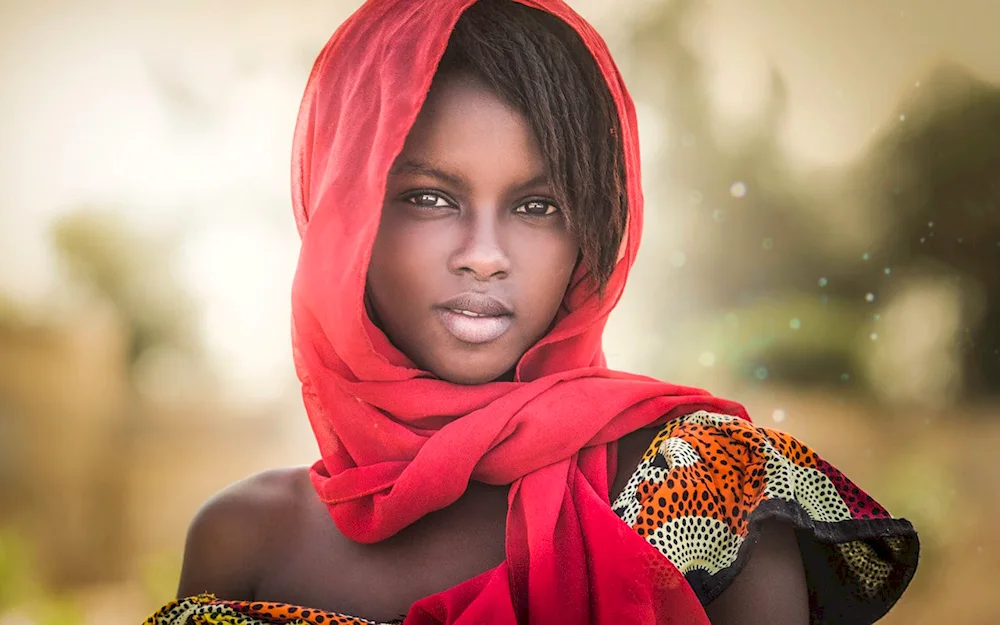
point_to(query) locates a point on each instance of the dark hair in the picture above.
(539, 65)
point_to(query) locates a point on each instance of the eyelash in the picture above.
(410, 197)
(551, 208)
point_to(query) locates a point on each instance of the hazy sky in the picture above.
(846, 62)
(181, 112)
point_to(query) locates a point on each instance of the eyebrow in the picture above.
(425, 169)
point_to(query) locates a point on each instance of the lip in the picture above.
(476, 317)
(478, 304)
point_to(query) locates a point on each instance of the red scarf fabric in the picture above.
(397, 443)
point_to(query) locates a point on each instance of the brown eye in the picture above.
(537, 208)
(426, 199)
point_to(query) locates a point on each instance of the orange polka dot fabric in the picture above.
(699, 494)
(707, 482)
(207, 610)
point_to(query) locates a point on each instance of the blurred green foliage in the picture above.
(22, 592)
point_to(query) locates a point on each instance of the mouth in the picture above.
(476, 318)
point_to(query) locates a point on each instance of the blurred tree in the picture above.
(72, 397)
(759, 237)
(134, 274)
(935, 174)
(750, 231)
(751, 239)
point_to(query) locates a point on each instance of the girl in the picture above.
(466, 184)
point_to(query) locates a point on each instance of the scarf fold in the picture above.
(397, 444)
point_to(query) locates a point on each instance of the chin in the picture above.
(471, 374)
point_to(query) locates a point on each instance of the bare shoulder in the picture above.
(772, 587)
(235, 533)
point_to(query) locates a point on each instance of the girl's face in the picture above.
(472, 256)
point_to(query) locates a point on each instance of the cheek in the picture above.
(403, 263)
(547, 261)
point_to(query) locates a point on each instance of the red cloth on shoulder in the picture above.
(396, 443)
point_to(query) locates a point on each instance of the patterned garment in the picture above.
(708, 480)
(699, 494)
(207, 610)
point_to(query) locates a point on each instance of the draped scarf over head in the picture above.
(398, 443)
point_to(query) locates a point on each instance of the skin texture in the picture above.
(456, 218)
(269, 538)
(468, 208)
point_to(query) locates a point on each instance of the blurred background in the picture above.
(822, 244)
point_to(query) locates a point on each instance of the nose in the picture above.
(481, 252)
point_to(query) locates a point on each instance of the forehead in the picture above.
(464, 121)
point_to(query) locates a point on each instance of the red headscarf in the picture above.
(396, 442)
